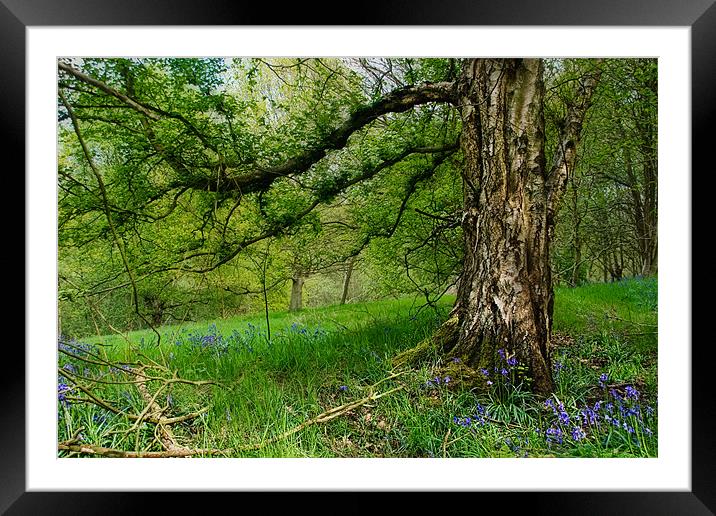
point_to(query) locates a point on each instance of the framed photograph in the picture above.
(43, 41)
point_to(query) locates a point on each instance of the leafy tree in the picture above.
(182, 164)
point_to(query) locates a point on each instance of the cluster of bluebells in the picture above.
(74, 347)
(71, 366)
(123, 368)
(305, 330)
(212, 339)
(617, 412)
(62, 390)
(558, 366)
(237, 341)
(503, 373)
(625, 413)
(437, 382)
(478, 418)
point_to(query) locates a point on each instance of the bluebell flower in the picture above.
(603, 378)
(589, 416)
(512, 361)
(62, 389)
(343, 388)
(631, 392)
(456, 360)
(548, 403)
(578, 433)
(632, 411)
(501, 352)
(485, 372)
(564, 418)
(554, 434)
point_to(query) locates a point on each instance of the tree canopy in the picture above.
(179, 177)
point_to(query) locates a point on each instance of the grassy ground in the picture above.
(268, 393)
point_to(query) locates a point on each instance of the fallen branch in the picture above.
(91, 449)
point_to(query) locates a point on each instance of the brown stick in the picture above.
(92, 449)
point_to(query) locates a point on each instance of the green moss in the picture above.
(432, 347)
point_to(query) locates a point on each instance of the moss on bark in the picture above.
(434, 346)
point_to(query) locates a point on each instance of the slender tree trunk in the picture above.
(347, 280)
(296, 302)
(576, 237)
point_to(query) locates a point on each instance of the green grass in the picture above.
(322, 358)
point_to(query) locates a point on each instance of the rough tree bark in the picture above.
(505, 296)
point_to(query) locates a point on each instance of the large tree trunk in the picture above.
(505, 297)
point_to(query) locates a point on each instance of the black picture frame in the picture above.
(699, 15)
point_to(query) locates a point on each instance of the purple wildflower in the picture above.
(563, 417)
(548, 403)
(631, 392)
(62, 389)
(578, 433)
(554, 434)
